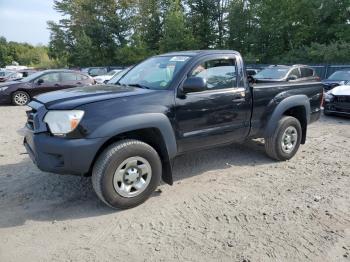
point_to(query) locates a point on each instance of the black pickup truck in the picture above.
(127, 135)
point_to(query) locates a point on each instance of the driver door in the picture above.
(215, 116)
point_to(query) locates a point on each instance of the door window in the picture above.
(50, 78)
(218, 73)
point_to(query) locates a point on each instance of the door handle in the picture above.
(239, 97)
(79, 83)
(238, 100)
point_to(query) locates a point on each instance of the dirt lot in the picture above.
(227, 204)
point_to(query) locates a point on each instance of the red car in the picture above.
(21, 92)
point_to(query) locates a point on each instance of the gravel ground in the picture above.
(227, 204)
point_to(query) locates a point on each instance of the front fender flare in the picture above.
(140, 121)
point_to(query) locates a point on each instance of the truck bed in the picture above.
(263, 104)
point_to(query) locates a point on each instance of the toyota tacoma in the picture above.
(127, 135)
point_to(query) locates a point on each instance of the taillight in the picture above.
(322, 99)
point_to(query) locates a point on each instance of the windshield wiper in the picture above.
(138, 85)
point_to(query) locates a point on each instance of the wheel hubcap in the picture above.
(289, 139)
(21, 99)
(132, 176)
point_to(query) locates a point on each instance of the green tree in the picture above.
(201, 19)
(149, 24)
(176, 34)
(93, 31)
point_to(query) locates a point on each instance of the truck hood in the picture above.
(73, 97)
(340, 91)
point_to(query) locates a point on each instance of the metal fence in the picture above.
(322, 70)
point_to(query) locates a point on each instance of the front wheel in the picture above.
(326, 112)
(126, 174)
(285, 141)
(20, 98)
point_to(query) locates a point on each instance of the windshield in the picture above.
(272, 73)
(155, 73)
(31, 77)
(340, 75)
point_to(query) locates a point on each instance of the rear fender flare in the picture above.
(282, 107)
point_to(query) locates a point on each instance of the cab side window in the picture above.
(295, 72)
(218, 73)
(306, 72)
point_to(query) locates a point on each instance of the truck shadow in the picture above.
(29, 194)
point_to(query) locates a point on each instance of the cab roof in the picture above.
(198, 52)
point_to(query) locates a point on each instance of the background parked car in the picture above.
(338, 78)
(11, 76)
(20, 92)
(337, 101)
(252, 72)
(3, 74)
(105, 78)
(282, 73)
(27, 72)
(95, 71)
(99, 70)
(114, 80)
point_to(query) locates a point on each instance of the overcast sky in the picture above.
(25, 20)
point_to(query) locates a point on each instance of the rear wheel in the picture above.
(126, 174)
(20, 98)
(285, 141)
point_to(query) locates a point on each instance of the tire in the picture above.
(138, 166)
(326, 113)
(287, 127)
(20, 98)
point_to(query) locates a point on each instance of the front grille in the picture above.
(342, 99)
(30, 119)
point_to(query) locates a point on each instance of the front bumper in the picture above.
(337, 108)
(4, 98)
(60, 155)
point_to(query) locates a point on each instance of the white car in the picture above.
(337, 101)
(105, 78)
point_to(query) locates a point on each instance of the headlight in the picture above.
(3, 88)
(63, 122)
(328, 97)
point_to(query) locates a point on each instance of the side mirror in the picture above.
(194, 84)
(40, 81)
(292, 78)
